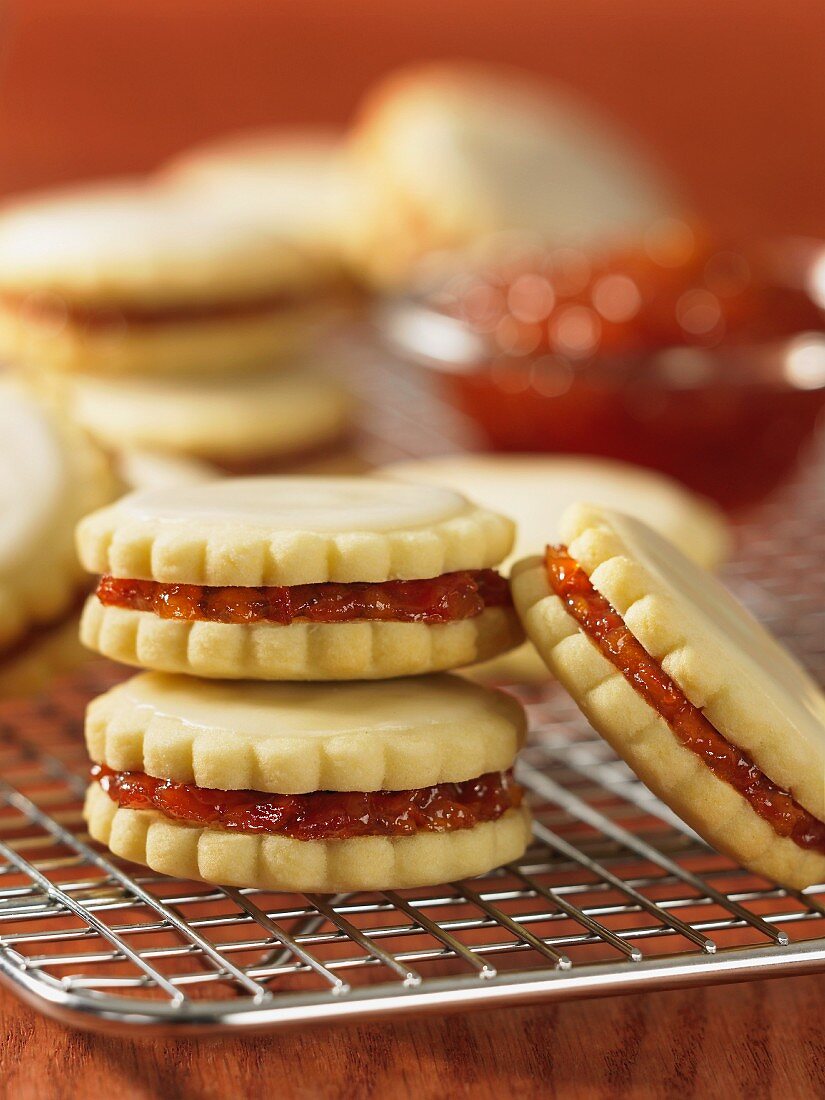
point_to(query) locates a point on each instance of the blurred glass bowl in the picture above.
(706, 363)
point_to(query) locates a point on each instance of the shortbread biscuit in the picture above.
(129, 277)
(299, 787)
(253, 418)
(454, 154)
(50, 476)
(760, 713)
(290, 567)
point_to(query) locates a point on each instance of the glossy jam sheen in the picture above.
(445, 599)
(605, 627)
(321, 815)
(579, 376)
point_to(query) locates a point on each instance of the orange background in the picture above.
(729, 94)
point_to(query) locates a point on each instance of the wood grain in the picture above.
(760, 1040)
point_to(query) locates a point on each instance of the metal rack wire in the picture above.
(615, 893)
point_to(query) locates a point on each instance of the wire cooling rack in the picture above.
(615, 893)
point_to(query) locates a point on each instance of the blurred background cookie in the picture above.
(454, 155)
(129, 277)
(240, 423)
(535, 491)
(50, 476)
(300, 182)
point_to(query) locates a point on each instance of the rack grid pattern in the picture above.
(614, 894)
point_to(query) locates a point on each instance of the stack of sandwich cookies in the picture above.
(298, 579)
(307, 787)
(716, 718)
(298, 786)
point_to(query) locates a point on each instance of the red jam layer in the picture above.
(445, 599)
(321, 815)
(604, 626)
(136, 315)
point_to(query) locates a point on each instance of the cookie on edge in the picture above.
(698, 698)
(298, 578)
(325, 788)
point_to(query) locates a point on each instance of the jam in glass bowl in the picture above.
(704, 361)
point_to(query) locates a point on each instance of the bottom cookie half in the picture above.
(269, 862)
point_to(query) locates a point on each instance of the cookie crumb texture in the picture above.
(279, 863)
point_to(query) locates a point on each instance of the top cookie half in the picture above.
(292, 530)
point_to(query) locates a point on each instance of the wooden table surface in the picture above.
(757, 1040)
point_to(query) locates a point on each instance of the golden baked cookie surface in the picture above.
(292, 530)
(292, 738)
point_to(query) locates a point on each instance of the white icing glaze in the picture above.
(535, 491)
(32, 474)
(752, 652)
(275, 710)
(313, 504)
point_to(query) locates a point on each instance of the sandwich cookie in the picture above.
(133, 278)
(50, 476)
(535, 490)
(237, 423)
(324, 788)
(705, 706)
(453, 154)
(298, 578)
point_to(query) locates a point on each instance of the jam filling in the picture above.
(604, 626)
(445, 599)
(135, 314)
(321, 815)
